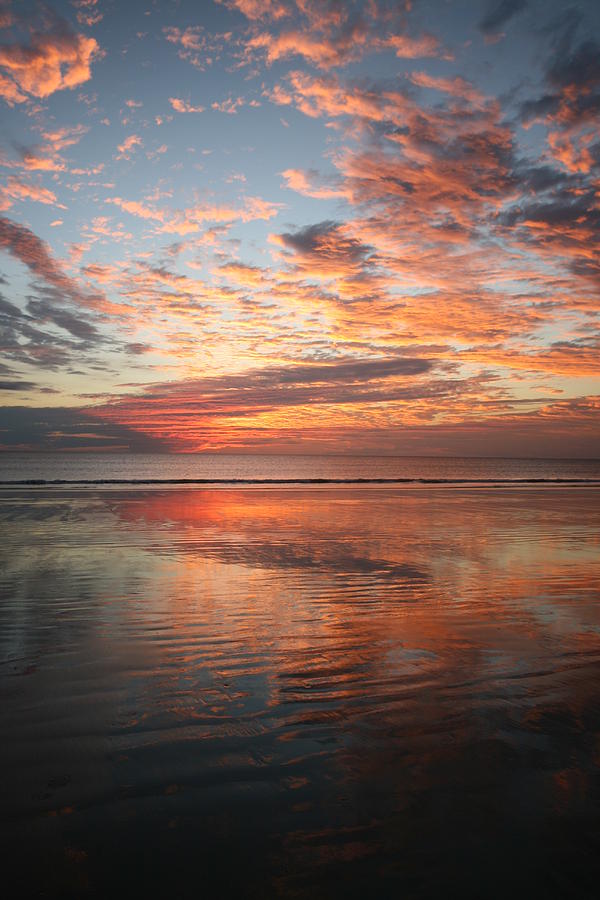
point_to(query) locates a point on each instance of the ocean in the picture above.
(231, 468)
(324, 690)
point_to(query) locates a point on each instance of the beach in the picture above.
(296, 691)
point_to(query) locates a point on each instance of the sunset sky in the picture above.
(301, 226)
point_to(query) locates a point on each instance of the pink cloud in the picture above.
(457, 87)
(260, 9)
(53, 60)
(195, 45)
(230, 105)
(87, 12)
(406, 47)
(304, 183)
(192, 218)
(182, 106)
(128, 146)
(16, 190)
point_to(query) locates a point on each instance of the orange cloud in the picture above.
(230, 105)
(14, 189)
(303, 183)
(183, 107)
(457, 87)
(412, 48)
(52, 61)
(87, 12)
(192, 218)
(128, 146)
(10, 92)
(376, 403)
(259, 9)
(247, 276)
(196, 46)
(322, 52)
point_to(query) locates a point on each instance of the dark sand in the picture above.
(300, 693)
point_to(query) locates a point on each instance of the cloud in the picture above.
(46, 155)
(88, 12)
(10, 92)
(24, 245)
(27, 343)
(260, 9)
(570, 105)
(128, 146)
(44, 311)
(229, 105)
(329, 96)
(248, 276)
(183, 107)
(193, 218)
(188, 409)
(196, 46)
(329, 35)
(406, 47)
(137, 348)
(362, 404)
(431, 185)
(499, 13)
(17, 385)
(306, 183)
(55, 59)
(58, 139)
(324, 250)
(578, 69)
(456, 87)
(17, 190)
(322, 52)
(447, 228)
(64, 428)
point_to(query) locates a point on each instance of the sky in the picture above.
(300, 226)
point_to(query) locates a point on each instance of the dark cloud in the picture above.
(334, 382)
(27, 247)
(580, 69)
(328, 251)
(573, 82)
(23, 336)
(350, 372)
(562, 209)
(46, 311)
(17, 385)
(24, 341)
(63, 428)
(499, 14)
(538, 179)
(137, 348)
(539, 108)
(325, 238)
(9, 309)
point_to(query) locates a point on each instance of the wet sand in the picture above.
(335, 692)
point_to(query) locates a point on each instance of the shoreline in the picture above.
(301, 482)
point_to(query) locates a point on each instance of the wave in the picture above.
(91, 482)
